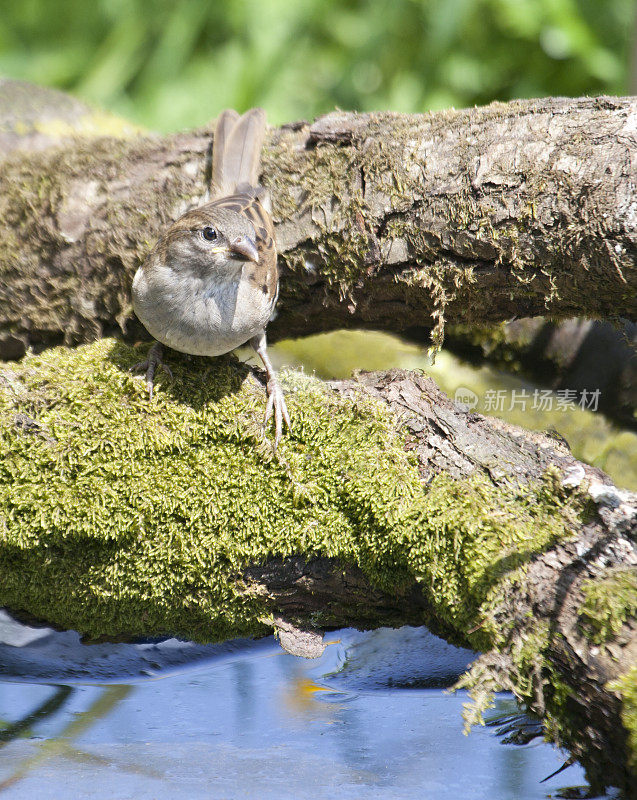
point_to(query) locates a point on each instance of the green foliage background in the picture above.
(171, 65)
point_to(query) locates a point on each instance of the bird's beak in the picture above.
(244, 246)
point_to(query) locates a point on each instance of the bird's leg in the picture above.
(276, 400)
(153, 361)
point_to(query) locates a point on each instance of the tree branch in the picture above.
(386, 504)
(384, 221)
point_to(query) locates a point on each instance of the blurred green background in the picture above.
(170, 65)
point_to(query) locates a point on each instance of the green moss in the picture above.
(608, 603)
(626, 687)
(561, 726)
(493, 342)
(328, 183)
(442, 283)
(123, 516)
(305, 184)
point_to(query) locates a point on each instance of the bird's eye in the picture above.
(209, 234)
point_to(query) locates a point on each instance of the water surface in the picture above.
(369, 719)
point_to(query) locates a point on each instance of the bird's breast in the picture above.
(200, 315)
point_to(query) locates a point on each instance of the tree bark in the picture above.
(384, 221)
(496, 538)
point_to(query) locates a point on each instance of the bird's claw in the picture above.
(276, 406)
(149, 366)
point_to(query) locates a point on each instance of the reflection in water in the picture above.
(22, 727)
(262, 724)
(78, 724)
(512, 727)
(243, 694)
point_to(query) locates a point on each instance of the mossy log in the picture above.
(384, 221)
(385, 505)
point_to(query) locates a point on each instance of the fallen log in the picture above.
(384, 221)
(385, 505)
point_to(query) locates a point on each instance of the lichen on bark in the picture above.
(608, 604)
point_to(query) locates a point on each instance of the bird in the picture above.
(211, 282)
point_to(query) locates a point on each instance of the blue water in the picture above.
(369, 719)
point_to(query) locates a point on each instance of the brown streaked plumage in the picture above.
(211, 282)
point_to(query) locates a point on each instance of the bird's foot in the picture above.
(276, 400)
(149, 366)
(276, 406)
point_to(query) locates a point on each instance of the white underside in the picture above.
(199, 316)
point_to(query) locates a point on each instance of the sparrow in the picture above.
(211, 282)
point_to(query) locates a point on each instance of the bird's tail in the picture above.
(236, 153)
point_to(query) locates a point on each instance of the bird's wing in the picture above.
(250, 206)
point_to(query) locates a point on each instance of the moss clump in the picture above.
(626, 687)
(309, 185)
(608, 603)
(123, 516)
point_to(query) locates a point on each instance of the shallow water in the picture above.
(369, 719)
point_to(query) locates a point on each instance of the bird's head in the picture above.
(209, 240)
